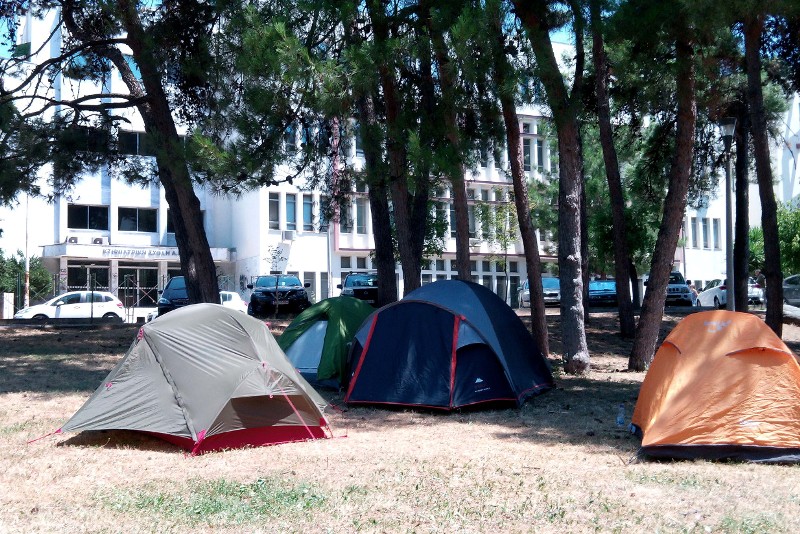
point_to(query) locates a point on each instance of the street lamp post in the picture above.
(727, 127)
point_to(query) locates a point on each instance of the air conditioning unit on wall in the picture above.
(72, 240)
(100, 241)
(287, 235)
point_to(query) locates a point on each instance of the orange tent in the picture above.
(721, 386)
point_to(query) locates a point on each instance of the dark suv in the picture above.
(173, 296)
(363, 286)
(284, 291)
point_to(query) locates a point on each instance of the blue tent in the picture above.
(446, 345)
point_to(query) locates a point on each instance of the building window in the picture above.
(540, 155)
(486, 266)
(361, 215)
(452, 220)
(715, 226)
(87, 217)
(324, 213)
(137, 220)
(291, 212)
(361, 263)
(345, 262)
(487, 282)
(705, 232)
(526, 153)
(290, 139)
(345, 222)
(473, 266)
(308, 213)
(426, 279)
(135, 143)
(441, 265)
(274, 211)
(513, 267)
(694, 232)
(527, 128)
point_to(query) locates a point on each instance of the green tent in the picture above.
(317, 341)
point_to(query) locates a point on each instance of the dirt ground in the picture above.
(558, 464)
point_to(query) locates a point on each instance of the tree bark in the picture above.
(565, 117)
(753, 28)
(741, 243)
(627, 322)
(644, 342)
(527, 231)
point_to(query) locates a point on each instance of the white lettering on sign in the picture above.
(121, 252)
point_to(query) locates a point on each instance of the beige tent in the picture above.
(206, 377)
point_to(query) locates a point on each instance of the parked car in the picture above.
(232, 299)
(284, 291)
(173, 295)
(76, 305)
(363, 286)
(602, 293)
(715, 293)
(551, 287)
(678, 293)
(791, 290)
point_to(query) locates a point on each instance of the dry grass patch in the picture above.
(560, 464)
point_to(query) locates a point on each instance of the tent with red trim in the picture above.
(206, 377)
(721, 386)
(446, 345)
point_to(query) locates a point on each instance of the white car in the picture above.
(76, 305)
(715, 294)
(232, 299)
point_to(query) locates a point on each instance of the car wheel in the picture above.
(114, 316)
(40, 317)
(716, 303)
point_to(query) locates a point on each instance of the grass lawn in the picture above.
(559, 464)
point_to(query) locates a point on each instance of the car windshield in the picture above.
(550, 283)
(361, 280)
(177, 282)
(282, 281)
(676, 278)
(602, 285)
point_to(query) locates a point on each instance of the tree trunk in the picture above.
(576, 353)
(447, 83)
(526, 229)
(627, 322)
(753, 28)
(644, 342)
(379, 205)
(741, 243)
(403, 205)
(197, 264)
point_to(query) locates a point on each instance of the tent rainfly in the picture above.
(446, 345)
(205, 377)
(318, 340)
(722, 386)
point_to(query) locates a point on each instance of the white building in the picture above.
(118, 236)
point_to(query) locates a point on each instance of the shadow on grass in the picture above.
(119, 439)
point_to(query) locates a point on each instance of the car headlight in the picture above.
(163, 302)
(347, 291)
